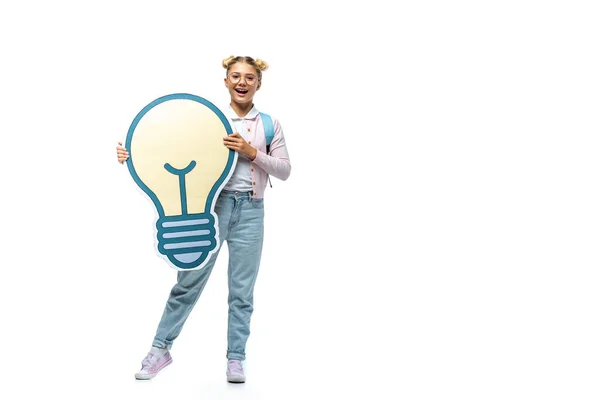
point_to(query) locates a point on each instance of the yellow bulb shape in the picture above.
(178, 132)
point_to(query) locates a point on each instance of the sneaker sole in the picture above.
(145, 377)
(236, 379)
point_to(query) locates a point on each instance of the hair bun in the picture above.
(262, 65)
(228, 61)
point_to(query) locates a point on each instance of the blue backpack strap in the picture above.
(269, 129)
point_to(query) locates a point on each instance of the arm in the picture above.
(277, 162)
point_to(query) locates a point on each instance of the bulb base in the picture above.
(186, 240)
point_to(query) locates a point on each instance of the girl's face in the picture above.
(242, 82)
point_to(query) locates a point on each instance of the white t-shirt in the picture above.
(240, 181)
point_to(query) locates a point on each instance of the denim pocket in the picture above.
(258, 203)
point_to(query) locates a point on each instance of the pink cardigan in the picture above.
(276, 163)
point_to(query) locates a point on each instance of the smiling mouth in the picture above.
(241, 91)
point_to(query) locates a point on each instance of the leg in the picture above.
(245, 246)
(183, 297)
(189, 286)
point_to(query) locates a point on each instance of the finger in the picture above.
(233, 147)
(120, 143)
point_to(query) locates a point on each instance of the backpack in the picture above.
(269, 133)
(269, 129)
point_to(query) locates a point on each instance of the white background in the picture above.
(437, 239)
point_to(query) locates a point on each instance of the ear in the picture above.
(259, 84)
(226, 85)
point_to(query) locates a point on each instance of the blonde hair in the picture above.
(259, 65)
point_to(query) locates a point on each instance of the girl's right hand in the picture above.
(122, 154)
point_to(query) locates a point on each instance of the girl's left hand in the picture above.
(236, 142)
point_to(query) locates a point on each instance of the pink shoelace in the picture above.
(235, 366)
(148, 361)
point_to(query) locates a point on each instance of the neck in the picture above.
(241, 109)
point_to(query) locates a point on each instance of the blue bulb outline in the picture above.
(211, 196)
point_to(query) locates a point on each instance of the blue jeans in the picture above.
(241, 225)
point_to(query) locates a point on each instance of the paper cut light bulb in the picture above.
(178, 159)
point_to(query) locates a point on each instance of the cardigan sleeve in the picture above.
(277, 162)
